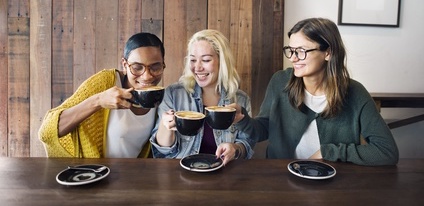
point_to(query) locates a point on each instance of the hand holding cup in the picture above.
(147, 97)
(219, 117)
(189, 122)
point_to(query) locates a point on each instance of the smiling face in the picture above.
(204, 63)
(315, 62)
(146, 56)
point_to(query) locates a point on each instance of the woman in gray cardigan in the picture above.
(314, 110)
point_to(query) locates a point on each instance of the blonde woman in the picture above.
(209, 79)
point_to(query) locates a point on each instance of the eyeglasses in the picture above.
(138, 69)
(299, 52)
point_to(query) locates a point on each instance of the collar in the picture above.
(197, 95)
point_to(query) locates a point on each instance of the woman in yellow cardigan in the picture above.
(98, 120)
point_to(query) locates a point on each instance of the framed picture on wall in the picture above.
(384, 13)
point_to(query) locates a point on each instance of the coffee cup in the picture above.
(189, 122)
(147, 97)
(219, 117)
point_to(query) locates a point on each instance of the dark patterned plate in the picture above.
(201, 163)
(311, 169)
(75, 176)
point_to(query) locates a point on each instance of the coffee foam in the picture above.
(151, 88)
(189, 115)
(220, 109)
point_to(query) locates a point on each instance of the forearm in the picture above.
(70, 118)
(164, 136)
(254, 128)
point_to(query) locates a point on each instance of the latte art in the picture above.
(151, 88)
(147, 97)
(219, 117)
(189, 122)
(220, 109)
(189, 115)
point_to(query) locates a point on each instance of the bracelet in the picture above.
(238, 152)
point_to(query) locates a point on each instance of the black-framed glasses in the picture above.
(299, 52)
(138, 69)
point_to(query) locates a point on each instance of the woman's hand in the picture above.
(239, 115)
(115, 98)
(165, 136)
(227, 151)
(168, 120)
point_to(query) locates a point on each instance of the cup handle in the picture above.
(132, 101)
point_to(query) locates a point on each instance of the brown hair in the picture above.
(336, 77)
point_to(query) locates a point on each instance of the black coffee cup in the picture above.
(189, 122)
(219, 117)
(147, 97)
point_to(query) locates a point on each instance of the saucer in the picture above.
(312, 169)
(201, 163)
(81, 177)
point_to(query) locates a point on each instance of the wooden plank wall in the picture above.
(40, 69)
(18, 78)
(3, 78)
(48, 48)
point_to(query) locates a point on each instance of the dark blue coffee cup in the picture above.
(147, 97)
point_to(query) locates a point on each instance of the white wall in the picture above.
(382, 59)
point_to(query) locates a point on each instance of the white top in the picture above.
(309, 144)
(127, 132)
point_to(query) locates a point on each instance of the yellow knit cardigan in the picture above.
(88, 139)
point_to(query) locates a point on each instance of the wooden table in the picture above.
(31, 181)
(400, 100)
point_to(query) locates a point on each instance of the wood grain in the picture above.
(87, 36)
(106, 34)
(40, 78)
(241, 40)
(152, 9)
(152, 17)
(262, 49)
(219, 13)
(18, 8)
(174, 39)
(62, 50)
(197, 17)
(129, 23)
(3, 79)
(241, 182)
(84, 38)
(18, 87)
(278, 36)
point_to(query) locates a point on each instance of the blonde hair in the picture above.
(228, 78)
